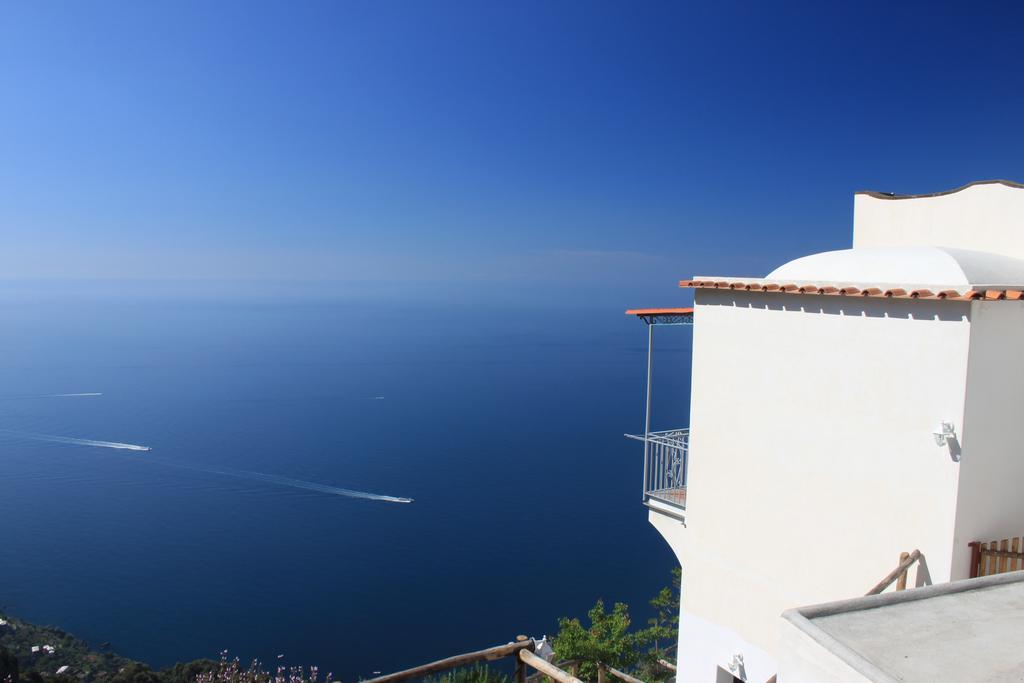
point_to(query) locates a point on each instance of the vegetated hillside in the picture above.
(55, 649)
(45, 654)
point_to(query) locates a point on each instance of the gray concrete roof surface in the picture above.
(969, 630)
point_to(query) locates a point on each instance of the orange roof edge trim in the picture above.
(659, 311)
(1001, 294)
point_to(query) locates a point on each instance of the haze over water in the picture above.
(504, 427)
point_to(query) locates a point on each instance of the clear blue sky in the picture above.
(468, 145)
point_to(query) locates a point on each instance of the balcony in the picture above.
(665, 467)
(666, 453)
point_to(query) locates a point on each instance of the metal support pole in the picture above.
(647, 412)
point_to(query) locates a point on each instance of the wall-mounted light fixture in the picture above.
(944, 433)
(737, 668)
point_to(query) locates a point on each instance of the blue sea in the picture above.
(503, 423)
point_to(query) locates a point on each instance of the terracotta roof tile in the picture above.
(1001, 294)
(659, 311)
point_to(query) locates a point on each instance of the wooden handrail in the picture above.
(488, 655)
(545, 667)
(622, 676)
(570, 665)
(897, 573)
(522, 650)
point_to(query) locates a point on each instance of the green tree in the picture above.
(609, 639)
(187, 672)
(136, 672)
(662, 632)
(665, 624)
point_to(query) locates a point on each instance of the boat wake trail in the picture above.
(287, 481)
(78, 442)
(223, 471)
(31, 397)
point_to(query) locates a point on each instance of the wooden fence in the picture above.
(522, 651)
(996, 557)
(521, 644)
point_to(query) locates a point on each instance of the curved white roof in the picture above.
(932, 266)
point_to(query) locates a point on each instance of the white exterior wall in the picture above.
(704, 647)
(990, 505)
(804, 660)
(987, 217)
(812, 464)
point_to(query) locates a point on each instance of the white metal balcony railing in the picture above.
(665, 465)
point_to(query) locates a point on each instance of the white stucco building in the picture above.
(811, 460)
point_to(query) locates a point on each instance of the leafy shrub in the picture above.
(479, 673)
(8, 665)
(230, 671)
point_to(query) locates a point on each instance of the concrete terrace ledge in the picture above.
(966, 630)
